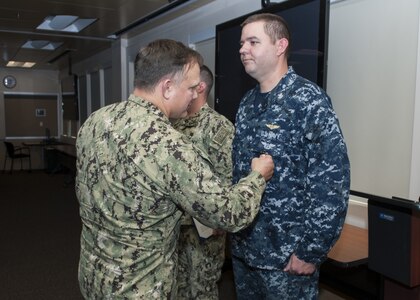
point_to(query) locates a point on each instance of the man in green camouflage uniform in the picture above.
(135, 173)
(201, 260)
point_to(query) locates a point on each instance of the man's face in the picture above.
(194, 107)
(185, 91)
(258, 54)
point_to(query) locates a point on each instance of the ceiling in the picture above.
(19, 19)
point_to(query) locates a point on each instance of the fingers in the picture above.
(288, 266)
(264, 165)
(296, 266)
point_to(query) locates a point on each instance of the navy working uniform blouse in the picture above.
(305, 202)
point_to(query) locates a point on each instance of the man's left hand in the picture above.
(297, 266)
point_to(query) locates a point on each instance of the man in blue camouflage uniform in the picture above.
(201, 260)
(305, 203)
(135, 175)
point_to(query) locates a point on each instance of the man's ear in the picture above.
(201, 87)
(167, 88)
(282, 45)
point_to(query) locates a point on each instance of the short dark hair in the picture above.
(162, 58)
(207, 77)
(274, 26)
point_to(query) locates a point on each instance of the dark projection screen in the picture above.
(308, 23)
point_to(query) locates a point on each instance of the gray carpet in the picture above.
(40, 231)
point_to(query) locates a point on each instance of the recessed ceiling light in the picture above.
(61, 22)
(65, 23)
(20, 64)
(41, 45)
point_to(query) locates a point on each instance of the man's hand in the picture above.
(264, 165)
(299, 267)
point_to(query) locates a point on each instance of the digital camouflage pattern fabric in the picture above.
(305, 203)
(201, 260)
(280, 285)
(200, 264)
(135, 173)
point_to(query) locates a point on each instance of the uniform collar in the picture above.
(287, 80)
(193, 120)
(150, 107)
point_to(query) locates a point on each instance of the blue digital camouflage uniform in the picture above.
(135, 173)
(201, 260)
(305, 203)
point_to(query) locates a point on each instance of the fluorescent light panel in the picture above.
(20, 64)
(41, 45)
(65, 23)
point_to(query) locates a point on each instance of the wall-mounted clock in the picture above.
(9, 81)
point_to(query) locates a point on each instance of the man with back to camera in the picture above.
(201, 260)
(305, 203)
(135, 173)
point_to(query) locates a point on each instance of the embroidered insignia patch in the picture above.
(220, 136)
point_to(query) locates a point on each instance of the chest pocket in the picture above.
(282, 138)
(274, 138)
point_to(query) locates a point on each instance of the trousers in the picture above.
(253, 283)
(200, 263)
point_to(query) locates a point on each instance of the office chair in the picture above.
(13, 153)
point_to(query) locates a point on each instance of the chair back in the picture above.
(10, 149)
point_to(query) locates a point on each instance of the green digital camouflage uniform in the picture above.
(135, 173)
(201, 260)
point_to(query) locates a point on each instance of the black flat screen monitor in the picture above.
(70, 102)
(308, 23)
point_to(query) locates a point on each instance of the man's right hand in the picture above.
(264, 165)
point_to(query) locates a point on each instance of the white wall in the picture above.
(195, 26)
(415, 157)
(372, 66)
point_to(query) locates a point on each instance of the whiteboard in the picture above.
(371, 80)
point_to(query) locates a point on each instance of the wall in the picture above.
(415, 157)
(195, 26)
(23, 118)
(29, 82)
(372, 71)
(99, 81)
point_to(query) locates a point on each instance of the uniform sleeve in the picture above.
(220, 149)
(328, 183)
(192, 185)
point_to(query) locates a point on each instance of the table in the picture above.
(346, 269)
(63, 158)
(59, 156)
(67, 149)
(351, 248)
(40, 147)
